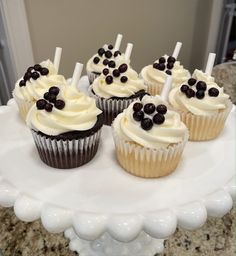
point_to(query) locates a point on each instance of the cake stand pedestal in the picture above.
(102, 209)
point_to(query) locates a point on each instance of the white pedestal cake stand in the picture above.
(103, 210)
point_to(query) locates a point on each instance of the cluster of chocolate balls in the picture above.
(50, 99)
(200, 91)
(117, 72)
(165, 65)
(33, 72)
(156, 112)
(108, 55)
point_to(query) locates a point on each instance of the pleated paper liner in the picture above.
(146, 162)
(203, 128)
(66, 154)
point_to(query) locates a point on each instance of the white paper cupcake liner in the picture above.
(111, 107)
(205, 127)
(146, 162)
(92, 76)
(65, 154)
(23, 106)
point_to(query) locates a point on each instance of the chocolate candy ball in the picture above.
(109, 79)
(105, 62)
(190, 93)
(137, 106)
(158, 119)
(116, 53)
(146, 124)
(171, 59)
(201, 85)
(35, 75)
(192, 81)
(162, 60)
(124, 79)
(108, 54)
(27, 76)
(149, 108)
(96, 60)
(40, 104)
(44, 71)
(156, 65)
(48, 107)
(59, 104)
(52, 98)
(101, 51)
(116, 73)
(54, 90)
(22, 83)
(200, 94)
(110, 46)
(46, 95)
(161, 109)
(184, 88)
(105, 71)
(37, 67)
(170, 65)
(112, 64)
(123, 68)
(30, 69)
(138, 116)
(161, 66)
(213, 92)
(168, 72)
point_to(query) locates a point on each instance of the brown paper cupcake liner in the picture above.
(145, 162)
(92, 76)
(23, 106)
(205, 127)
(66, 154)
(111, 107)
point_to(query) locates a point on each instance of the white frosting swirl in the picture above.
(79, 114)
(170, 132)
(34, 89)
(117, 88)
(153, 75)
(206, 106)
(98, 68)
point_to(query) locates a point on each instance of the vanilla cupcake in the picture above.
(149, 138)
(34, 83)
(203, 106)
(104, 57)
(66, 127)
(115, 89)
(155, 75)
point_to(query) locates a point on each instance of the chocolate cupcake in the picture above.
(115, 89)
(66, 127)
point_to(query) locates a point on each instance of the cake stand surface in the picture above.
(102, 209)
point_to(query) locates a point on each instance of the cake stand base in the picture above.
(107, 246)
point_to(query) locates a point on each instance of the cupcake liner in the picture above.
(23, 106)
(146, 162)
(65, 154)
(205, 127)
(153, 88)
(111, 107)
(92, 76)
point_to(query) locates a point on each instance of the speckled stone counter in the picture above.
(215, 238)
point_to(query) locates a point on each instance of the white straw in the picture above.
(210, 63)
(128, 51)
(57, 58)
(118, 42)
(166, 88)
(77, 73)
(177, 50)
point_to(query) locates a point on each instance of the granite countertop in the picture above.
(215, 238)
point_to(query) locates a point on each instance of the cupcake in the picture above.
(155, 75)
(34, 83)
(66, 127)
(149, 138)
(101, 59)
(202, 104)
(115, 89)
